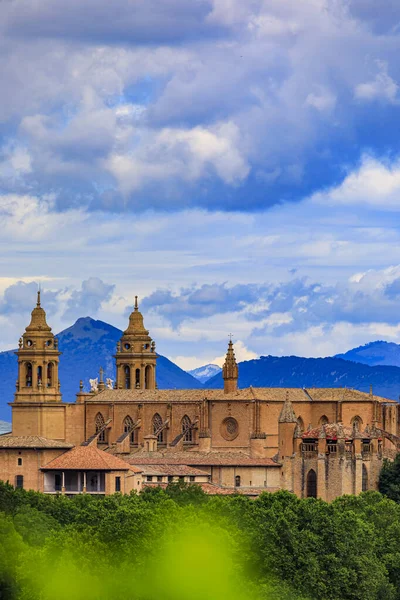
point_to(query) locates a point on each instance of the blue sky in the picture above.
(235, 164)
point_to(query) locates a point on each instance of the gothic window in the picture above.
(147, 377)
(128, 425)
(50, 375)
(137, 378)
(324, 420)
(364, 478)
(300, 425)
(28, 374)
(237, 481)
(127, 375)
(99, 421)
(157, 423)
(39, 375)
(311, 484)
(186, 429)
(356, 422)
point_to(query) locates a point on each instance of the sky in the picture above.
(234, 164)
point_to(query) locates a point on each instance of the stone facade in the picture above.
(323, 442)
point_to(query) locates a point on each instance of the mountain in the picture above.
(202, 374)
(293, 371)
(4, 427)
(375, 353)
(87, 346)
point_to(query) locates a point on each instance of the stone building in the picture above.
(314, 442)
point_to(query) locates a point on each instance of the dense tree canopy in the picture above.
(179, 543)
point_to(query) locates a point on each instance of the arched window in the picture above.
(364, 478)
(28, 374)
(127, 375)
(100, 423)
(128, 426)
(147, 377)
(186, 429)
(356, 422)
(39, 375)
(311, 484)
(50, 374)
(324, 420)
(137, 378)
(157, 423)
(237, 481)
(300, 425)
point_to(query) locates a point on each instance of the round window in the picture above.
(229, 428)
(29, 342)
(49, 343)
(127, 346)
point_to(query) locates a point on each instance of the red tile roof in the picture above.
(30, 441)
(89, 458)
(166, 469)
(199, 459)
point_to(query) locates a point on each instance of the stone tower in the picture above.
(38, 361)
(230, 370)
(287, 423)
(136, 355)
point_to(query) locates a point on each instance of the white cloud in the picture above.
(381, 87)
(374, 184)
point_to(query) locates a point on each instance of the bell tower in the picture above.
(38, 361)
(136, 355)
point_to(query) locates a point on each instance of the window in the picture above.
(128, 426)
(170, 478)
(149, 478)
(237, 481)
(159, 478)
(324, 420)
(19, 481)
(39, 375)
(192, 478)
(147, 377)
(356, 422)
(364, 478)
(118, 484)
(127, 374)
(186, 429)
(181, 478)
(100, 428)
(19, 462)
(50, 375)
(300, 425)
(311, 484)
(28, 374)
(137, 378)
(157, 425)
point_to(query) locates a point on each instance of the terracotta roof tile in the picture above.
(166, 469)
(30, 441)
(198, 459)
(268, 394)
(87, 458)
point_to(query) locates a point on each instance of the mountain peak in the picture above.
(204, 373)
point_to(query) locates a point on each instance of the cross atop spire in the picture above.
(38, 298)
(136, 304)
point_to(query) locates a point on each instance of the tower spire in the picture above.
(230, 370)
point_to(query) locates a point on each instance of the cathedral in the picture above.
(119, 438)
